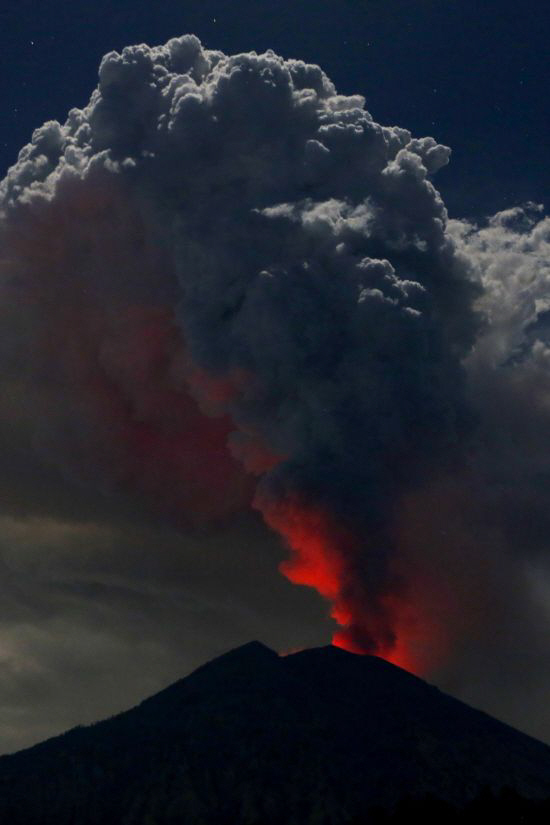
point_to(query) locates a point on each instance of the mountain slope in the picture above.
(316, 737)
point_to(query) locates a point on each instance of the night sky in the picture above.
(107, 594)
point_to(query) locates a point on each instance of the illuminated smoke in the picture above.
(222, 270)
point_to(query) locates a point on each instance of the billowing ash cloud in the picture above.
(225, 285)
(508, 371)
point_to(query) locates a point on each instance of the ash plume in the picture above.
(225, 285)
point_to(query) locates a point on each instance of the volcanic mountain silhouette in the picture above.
(319, 736)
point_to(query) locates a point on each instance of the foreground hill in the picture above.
(317, 737)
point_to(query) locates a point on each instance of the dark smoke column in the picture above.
(255, 278)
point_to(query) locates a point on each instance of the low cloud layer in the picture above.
(227, 290)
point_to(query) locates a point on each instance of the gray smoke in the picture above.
(222, 269)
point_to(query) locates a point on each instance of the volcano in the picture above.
(319, 736)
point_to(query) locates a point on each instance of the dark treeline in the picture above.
(505, 808)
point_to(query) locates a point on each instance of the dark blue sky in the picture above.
(474, 75)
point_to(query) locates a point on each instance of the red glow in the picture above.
(166, 448)
(92, 284)
(323, 556)
(127, 407)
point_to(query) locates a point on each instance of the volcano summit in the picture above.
(318, 736)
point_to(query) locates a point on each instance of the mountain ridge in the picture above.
(321, 735)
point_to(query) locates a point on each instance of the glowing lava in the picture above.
(324, 556)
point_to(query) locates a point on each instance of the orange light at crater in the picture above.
(324, 556)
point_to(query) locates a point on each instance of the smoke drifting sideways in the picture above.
(224, 285)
